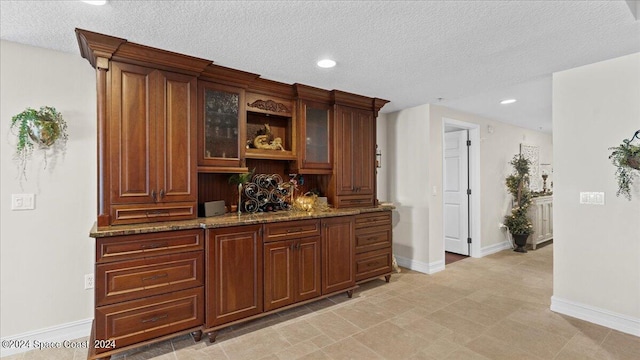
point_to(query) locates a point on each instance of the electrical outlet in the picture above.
(23, 202)
(88, 281)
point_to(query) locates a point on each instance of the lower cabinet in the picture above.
(147, 286)
(291, 271)
(373, 246)
(338, 254)
(153, 286)
(541, 214)
(234, 274)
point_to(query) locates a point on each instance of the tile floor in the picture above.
(496, 307)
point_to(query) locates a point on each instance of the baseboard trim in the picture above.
(69, 331)
(610, 319)
(423, 267)
(492, 249)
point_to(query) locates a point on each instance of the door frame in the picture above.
(474, 180)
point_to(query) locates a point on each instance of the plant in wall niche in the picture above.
(240, 180)
(518, 222)
(626, 158)
(45, 128)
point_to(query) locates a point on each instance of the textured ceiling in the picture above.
(470, 53)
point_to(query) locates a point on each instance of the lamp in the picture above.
(545, 170)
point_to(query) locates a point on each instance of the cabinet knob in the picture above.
(161, 193)
(154, 195)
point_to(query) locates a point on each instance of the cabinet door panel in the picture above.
(234, 273)
(309, 267)
(344, 141)
(177, 138)
(132, 138)
(221, 125)
(315, 139)
(278, 274)
(364, 157)
(338, 254)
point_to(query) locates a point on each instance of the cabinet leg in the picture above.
(212, 336)
(197, 335)
(387, 278)
(349, 294)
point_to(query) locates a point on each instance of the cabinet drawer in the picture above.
(291, 230)
(373, 219)
(373, 238)
(139, 320)
(144, 245)
(354, 201)
(128, 280)
(144, 213)
(373, 264)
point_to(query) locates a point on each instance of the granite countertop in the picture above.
(229, 219)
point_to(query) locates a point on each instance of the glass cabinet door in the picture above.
(316, 143)
(222, 123)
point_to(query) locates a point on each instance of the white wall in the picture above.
(46, 252)
(414, 151)
(596, 248)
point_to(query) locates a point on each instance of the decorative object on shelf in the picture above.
(265, 140)
(626, 158)
(532, 153)
(269, 105)
(518, 222)
(545, 169)
(240, 180)
(310, 202)
(44, 127)
(266, 193)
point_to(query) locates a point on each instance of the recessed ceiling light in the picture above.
(95, 2)
(507, 101)
(326, 63)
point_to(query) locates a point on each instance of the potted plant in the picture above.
(626, 158)
(240, 180)
(518, 222)
(44, 127)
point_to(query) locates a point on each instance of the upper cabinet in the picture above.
(355, 148)
(271, 127)
(354, 182)
(151, 140)
(221, 129)
(315, 116)
(164, 117)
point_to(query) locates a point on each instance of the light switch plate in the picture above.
(592, 198)
(23, 202)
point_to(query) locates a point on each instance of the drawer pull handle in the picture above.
(372, 263)
(154, 245)
(157, 213)
(155, 277)
(294, 230)
(155, 318)
(373, 238)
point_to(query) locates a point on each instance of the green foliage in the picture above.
(237, 179)
(626, 158)
(518, 185)
(44, 127)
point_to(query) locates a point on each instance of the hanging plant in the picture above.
(44, 127)
(626, 158)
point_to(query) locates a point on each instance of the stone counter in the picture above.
(229, 219)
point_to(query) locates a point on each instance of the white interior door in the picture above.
(456, 200)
